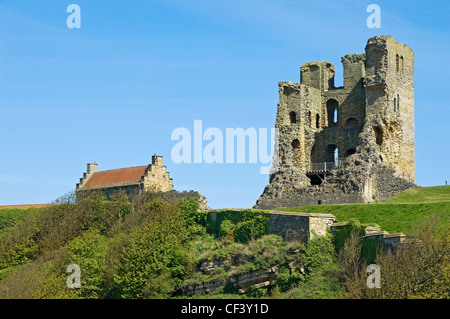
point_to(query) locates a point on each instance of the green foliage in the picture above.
(318, 286)
(195, 220)
(370, 249)
(153, 249)
(18, 244)
(11, 216)
(89, 251)
(190, 206)
(247, 224)
(419, 269)
(150, 248)
(225, 228)
(319, 253)
(343, 232)
(286, 279)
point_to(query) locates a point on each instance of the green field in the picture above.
(401, 213)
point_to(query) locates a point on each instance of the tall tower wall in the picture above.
(367, 124)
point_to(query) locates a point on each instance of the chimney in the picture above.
(157, 160)
(92, 168)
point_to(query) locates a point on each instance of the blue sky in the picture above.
(115, 89)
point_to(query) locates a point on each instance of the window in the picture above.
(313, 154)
(293, 117)
(397, 103)
(332, 112)
(317, 120)
(331, 153)
(296, 152)
(351, 122)
(349, 152)
(378, 135)
(397, 63)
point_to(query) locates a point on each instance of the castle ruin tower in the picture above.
(389, 86)
(349, 144)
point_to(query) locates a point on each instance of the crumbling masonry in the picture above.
(350, 144)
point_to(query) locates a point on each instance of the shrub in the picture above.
(418, 268)
(89, 251)
(344, 232)
(319, 253)
(11, 216)
(153, 249)
(226, 227)
(250, 224)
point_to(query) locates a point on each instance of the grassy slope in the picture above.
(398, 214)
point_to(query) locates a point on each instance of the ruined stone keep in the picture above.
(131, 180)
(348, 144)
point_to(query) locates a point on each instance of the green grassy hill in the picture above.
(401, 213)
(422, 195)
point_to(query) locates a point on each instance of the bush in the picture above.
(89, 251)
(249, 224)
(11, 216)
(419, 268)
(344, 232)
(226, 227)
(153, 249)
(319, 253)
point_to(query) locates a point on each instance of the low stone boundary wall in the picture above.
(292, 226)
(386, 239)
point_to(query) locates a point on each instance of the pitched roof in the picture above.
(112, 176)
(25, 206)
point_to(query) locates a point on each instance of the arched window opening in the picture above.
(317, 121)
(351, 122)
(402, 65)
(378, 135)
(349, 152)
(313, 154)
(330, 153)
(332, 112)
(395, 104)
(293, 117)
(398, 103)
(296, 152)
(397, 63)
(336, 155)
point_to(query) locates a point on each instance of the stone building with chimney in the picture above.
(131, 180)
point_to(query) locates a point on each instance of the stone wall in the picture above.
(292, 226)
(130, 189)
(156, 177)
(300, 227)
